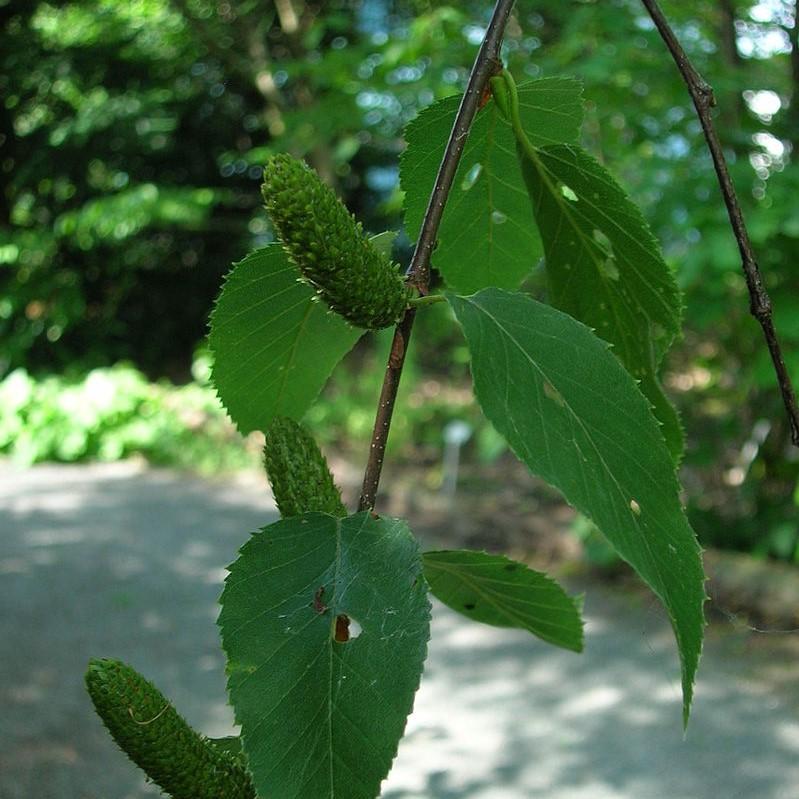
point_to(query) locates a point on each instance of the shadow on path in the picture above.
(110, 561)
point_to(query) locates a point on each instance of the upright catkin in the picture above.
(149, 730)
(330, 248)
(298, 472)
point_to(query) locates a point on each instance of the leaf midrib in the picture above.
(662, 591)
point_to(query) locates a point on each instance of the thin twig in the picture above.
(760, 304)
(485, 65)
(385, 410)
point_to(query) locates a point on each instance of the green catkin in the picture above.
(149, 730)
(330, 248)
(298, 472)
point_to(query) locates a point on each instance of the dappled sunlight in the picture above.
(49, 538)
(591, 701)
(34, 688)
(499, 713)
(581, 306)
(110, 560)
(788, 734)
(512, 717)
(127, 565)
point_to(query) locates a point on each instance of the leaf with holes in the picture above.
(485, 238)
(604, 266)
(321, 709)
(274, 345)
(496, 590)
(574, 416)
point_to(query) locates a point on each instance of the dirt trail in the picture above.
(115, 561)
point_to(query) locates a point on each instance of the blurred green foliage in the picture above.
(116, 412)
(131, 142)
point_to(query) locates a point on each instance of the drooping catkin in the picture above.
(155, 737)
(298, 472)
(330, 248)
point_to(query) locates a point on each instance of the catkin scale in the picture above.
(330, 248)
(156, 738)
(298, 472)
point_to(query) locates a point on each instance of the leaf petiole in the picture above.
(428, 299)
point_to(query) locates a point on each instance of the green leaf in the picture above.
(384, 242)
(274, 344)
(322, 718)
(604, 266)
(496, 590)
(485, 238)
(575, 416)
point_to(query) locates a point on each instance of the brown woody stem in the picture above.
(486, 64)
(760, 303)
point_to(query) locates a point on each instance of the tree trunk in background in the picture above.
(793, 112)
(729, 45)
(10, 146)
(733, 108)
(7, 162)
(293, 26)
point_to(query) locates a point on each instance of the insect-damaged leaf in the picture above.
(321, 710)
(575, 416)
(496, 590)
(274, 345)
(485, 238)
(604, 266)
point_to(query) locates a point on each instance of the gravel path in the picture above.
(121, 562)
